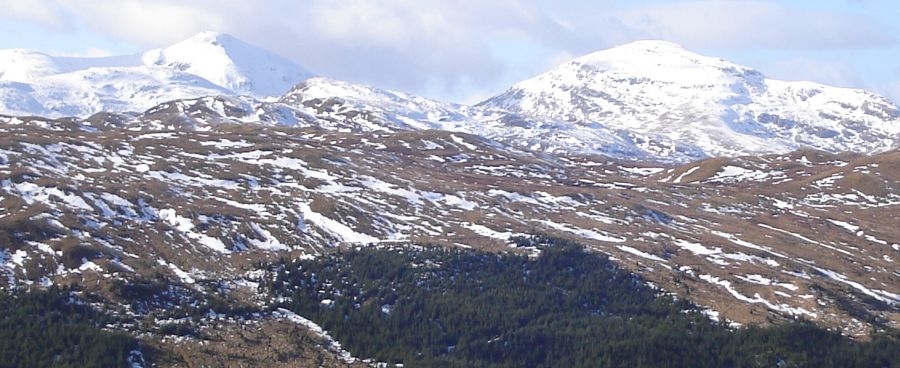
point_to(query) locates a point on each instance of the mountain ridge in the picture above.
(207, 64)
(667, 95)
(646, 100)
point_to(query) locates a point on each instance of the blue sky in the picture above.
(465, 50)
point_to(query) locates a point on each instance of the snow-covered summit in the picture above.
(230, 63)
(665, 62)
(669, 102)
(209, 63)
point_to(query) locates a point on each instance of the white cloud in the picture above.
(434, 46)
(147, 22)
(141, 21)
(764, 24)
(46, 12)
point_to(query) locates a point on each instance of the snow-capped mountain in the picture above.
(33, 83)
(385, 110)
(230, 63)
(669, 102)
(647, 100)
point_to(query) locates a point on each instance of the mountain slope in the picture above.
(806, 234)
(33, 83)
(673, 103)
(390, 110)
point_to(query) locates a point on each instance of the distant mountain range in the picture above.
(647, 100)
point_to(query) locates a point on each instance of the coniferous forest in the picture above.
(50, 329)
(433, 307)
(439, 307)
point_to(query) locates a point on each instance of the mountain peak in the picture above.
(211, 35)
(641, 56)
(214, 39)
(230, 63)
(677, 103)
(652, 45)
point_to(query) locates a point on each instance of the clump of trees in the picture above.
(567, 308)
(49, 329)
